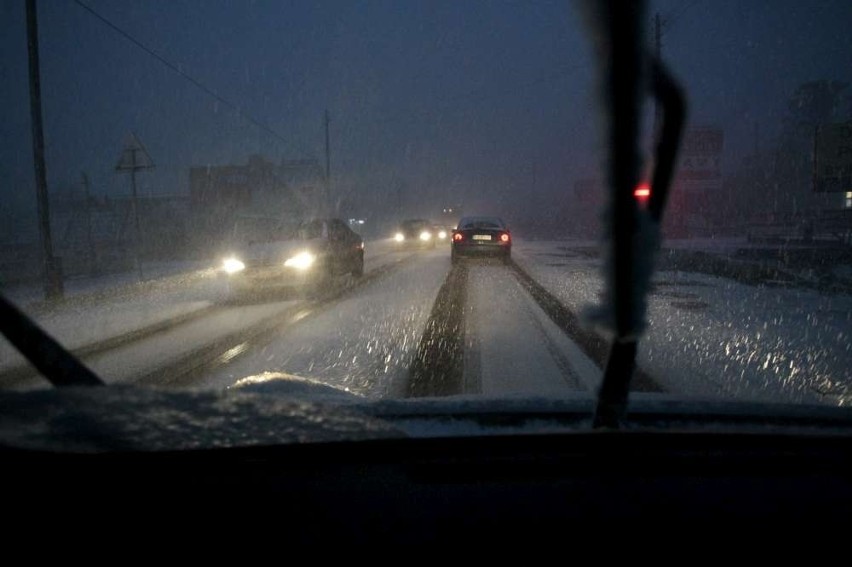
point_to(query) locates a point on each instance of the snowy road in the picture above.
(132, 334)
(366, 342)
(512, 346)
(363, 343)
(415, 325)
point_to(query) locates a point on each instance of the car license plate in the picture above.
(482, 237)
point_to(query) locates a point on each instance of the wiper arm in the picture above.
(618, 33)
(672, 102)
(50, 358)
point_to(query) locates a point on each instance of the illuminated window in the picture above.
(849, 199)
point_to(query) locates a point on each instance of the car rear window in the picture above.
(481, 223)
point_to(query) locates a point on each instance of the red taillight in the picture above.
(642, 192)
(458, 237)
(504, 237)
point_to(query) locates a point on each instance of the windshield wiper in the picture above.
(50, 358)
(626, 69)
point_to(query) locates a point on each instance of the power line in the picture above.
(180, 72)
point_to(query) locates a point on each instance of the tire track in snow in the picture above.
(592, 344)
(438, 366)
(448, 357)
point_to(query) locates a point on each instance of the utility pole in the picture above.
(51, 267)
(135, 207)
(90, 245)
(128, 162)
(328, 200)
(658, 53)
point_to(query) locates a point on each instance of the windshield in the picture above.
(310, 230)
(414, 225)
(148, 136)
(260, 230)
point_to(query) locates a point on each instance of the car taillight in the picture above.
(504, 237)
(642, 193)
(458, 237)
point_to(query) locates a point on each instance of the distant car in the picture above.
(481, 236)
(415, 233)
(305, 260)
(442, 234)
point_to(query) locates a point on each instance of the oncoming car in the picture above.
(442, 234)
(305, 260)
(418, 233)
(481, 236)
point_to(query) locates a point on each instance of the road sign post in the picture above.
(135, 157)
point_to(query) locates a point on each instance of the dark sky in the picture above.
(484, 102)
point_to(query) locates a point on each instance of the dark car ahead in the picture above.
(415, 233)
(305, 260)
(481, 236)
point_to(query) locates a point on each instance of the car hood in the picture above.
(278, 251)
(278, 409)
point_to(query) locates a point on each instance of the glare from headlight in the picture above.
(301, 261)
(232, 266)
(425, 235)
(442, 235)
(399, 237)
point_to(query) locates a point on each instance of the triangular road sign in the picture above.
(134, 156)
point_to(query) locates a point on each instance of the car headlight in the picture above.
(425, 235)
(399, 237)
(232, 265)
(301, 261)
(442, 235)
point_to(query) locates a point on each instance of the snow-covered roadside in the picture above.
(711, 336)
(85, 323)
(117, 305)
(96, 288)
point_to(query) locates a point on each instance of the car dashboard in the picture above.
(413, 473)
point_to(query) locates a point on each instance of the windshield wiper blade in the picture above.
(50, 358)
(625, 64)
